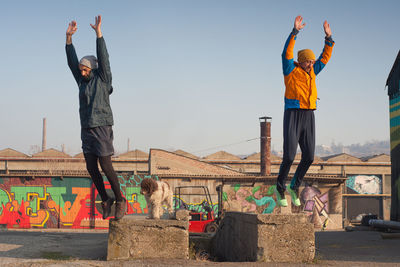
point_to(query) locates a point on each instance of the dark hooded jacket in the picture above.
(94, 101)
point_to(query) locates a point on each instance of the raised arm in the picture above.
(104, 68)
(72, 59)
(327, 51)
(287, 54)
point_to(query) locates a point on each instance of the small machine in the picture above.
(202, 216)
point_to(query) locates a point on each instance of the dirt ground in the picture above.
(89, 248)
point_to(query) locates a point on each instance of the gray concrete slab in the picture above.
(360, 246)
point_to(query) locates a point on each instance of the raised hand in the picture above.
(72, 27)
(97, 26)
(327, 29)
(298, 23)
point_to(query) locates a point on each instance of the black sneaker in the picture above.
(120, 209)
(106, 205)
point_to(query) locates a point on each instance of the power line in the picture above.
(221, 146)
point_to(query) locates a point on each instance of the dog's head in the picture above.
(148, 186)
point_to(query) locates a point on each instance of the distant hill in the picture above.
(373, 147)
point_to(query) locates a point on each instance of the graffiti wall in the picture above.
(364, 184)
(74, 202)
(395, 149)
(61, 203)
(70, 202)
(319, 204)
(360, 199)
(201, 206)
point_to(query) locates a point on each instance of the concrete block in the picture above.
(264, 237)
(200, 245)
(182, 215)
(134, 237)
(335, 221)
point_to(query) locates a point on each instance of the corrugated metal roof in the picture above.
(79, 156)
(256, 156)
(222, 155)
(136, 154)
(377, 158)
(186, 154)
(343, 157)
(51, 153)
(11, 153)
(165, 162)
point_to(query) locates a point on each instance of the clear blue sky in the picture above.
(193, 75)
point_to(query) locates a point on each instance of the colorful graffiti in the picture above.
(61, 203)
(74, 202)
(394, 97)
(257, 199)
(202, 206)
(394, 108)
(316, 205)
(70, 202)
(365, 184)
(261, 199)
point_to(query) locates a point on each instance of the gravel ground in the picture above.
(89, 248)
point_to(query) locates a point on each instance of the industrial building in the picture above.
(52, 189)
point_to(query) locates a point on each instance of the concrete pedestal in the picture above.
(265, 237)
(138, 238)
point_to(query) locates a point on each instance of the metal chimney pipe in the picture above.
(265, 143)
(44, 135)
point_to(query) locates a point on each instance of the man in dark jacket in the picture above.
(93, 76)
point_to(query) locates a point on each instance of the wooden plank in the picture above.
(367, 195)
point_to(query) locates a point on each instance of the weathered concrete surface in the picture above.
(182, 215)
(265, 237)
(22, 248)
(200, 245)
(138, 238)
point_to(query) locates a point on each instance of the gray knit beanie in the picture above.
(89, 61)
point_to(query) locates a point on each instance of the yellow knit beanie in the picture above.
(304, 55)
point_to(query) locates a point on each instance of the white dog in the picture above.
(157, 193)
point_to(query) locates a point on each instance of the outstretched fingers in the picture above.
(97, 26)
(327, 29)
(72, 27)
(97, 22)
(298, 23)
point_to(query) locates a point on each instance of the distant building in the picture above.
(393, 84)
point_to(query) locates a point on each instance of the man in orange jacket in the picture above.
(300, 103)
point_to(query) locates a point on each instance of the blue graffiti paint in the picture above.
(264, 201)
(365, 184)
(199, 207)
(134, 180)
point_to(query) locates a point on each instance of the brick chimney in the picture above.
(44, 135)
(265, 142)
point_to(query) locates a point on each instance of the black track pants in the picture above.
(106, 165)
(298, 128)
